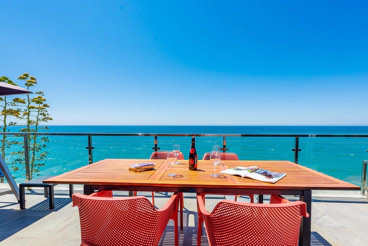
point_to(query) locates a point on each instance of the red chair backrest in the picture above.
(120, 221)
(163, 155)
(235, 223)
(223, 156)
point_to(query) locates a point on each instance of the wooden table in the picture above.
(113, 174)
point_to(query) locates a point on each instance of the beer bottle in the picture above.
(193, 158)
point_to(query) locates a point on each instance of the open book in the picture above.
(254, 172)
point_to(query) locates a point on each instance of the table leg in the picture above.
(87, 190)
(51, 197)
(305, 230)
(22, 197)
(71, 190)
(260, 198)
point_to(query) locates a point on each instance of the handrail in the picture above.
(186, 134)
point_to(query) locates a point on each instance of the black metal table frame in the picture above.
(304, 195)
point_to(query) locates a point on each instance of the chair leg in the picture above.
(199, 232)
(176, 230)
(181, 202)
(153, 198)
(51, 197)
(22, 197)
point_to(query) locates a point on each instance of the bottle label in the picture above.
(193, 157)
(192, 163)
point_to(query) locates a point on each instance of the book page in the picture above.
(266, 176)
(254, 172)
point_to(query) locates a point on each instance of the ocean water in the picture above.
(340, 157)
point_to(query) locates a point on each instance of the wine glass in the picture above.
(216, 147)
(215, 160)
(171, 159)
(176, 150)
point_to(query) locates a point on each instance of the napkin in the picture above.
(143, 165)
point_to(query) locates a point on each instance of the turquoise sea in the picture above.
(340, 157)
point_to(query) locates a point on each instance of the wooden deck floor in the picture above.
(337, 219)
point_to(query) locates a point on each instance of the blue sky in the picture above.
(192, 62)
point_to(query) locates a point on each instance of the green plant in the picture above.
(34, 113)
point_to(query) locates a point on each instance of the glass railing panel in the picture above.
(129, 147)
(167, 144)
(135, 147)
(64, 153)
(262, 148)
(204, 145)
(13, 157)
(141, 147)
(338, 157)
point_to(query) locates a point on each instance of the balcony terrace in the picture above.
(338, 217)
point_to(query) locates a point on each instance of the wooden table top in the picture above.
(116, 172)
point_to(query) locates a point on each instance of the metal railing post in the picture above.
(155, 142)
(223, 144)
(296, 150)
(363, 185)
(90, 148)
(26, 157)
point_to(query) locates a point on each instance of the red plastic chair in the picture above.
(229, 157)
(105, 220)
(223, 156)
(163, 155)
(238, 223)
